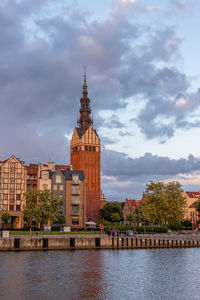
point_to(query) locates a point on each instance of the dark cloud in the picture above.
(121, 165)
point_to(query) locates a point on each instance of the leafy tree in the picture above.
(130, 218)
(111, 208)
(5, 217)
(60, 219)
(115, 217)
(42, 206)
(198, 207)
(163, 202)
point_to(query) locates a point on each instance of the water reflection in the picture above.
(105, 274)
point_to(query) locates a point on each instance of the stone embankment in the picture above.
(140, 241)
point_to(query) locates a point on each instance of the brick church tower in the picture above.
(85, 155)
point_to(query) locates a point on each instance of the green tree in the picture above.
(111, 208)
(130, 218)
(115, 217)
(60, 220)
(42, 206)
(5, 217)
(163, 202)
(198, 207)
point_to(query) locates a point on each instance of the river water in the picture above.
(101, 274)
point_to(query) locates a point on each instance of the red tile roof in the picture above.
(133, 203)
(193, 194)
(62, 167)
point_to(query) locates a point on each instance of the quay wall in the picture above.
(96, 242)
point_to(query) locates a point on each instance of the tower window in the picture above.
(86, 148)
(94, 148)
(76, 149)
(90, 148)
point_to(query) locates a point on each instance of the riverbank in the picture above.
(103, 241)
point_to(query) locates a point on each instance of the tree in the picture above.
(130, 218)
(164, 202)
(60, 219)
(115, 217)
(42, 206)
(5, 217)
(111, 208)
(198, 207)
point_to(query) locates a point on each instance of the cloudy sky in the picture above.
(143, 74)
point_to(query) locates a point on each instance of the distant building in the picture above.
(70, 186)
(12, 190)
(129, 208)
(32, 175)
(190, 211)
(85, 155)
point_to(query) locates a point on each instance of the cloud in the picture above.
(120, 165)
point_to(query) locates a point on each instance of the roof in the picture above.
(62, 167)
(133, 203)
(80, 132)
(193, 194)
(67, 174)
(193, 205)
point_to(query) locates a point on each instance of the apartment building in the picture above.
(12, 190)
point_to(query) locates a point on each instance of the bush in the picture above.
(139, 229)
(186, 223)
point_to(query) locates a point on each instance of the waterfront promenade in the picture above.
(99, 241)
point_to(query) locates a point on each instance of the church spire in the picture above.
(85, 83)
(85, 111)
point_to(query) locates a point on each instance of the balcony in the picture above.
(76, 192)
(75, 214)
(75, 182)
(75, 201)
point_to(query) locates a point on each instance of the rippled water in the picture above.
(103, 274)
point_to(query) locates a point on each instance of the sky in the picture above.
(143, 76)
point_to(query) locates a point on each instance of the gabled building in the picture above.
(190, 211)
(129, 208)
(85, 155)
(12, 190)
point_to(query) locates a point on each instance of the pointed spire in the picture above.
(85, 83)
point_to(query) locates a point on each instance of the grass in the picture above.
(14, 233)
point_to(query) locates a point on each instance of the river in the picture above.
(101, 274)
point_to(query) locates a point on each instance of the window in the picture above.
(5, 175)
(5, 186)
(18, 208)
(58, 178)
(75, 188)
(18, 175)
(12, 185)
(86, 148)
(75, 222)
(44, 176)
(18, 186)
(76, 149)
(75, 178)
(11, 207)
(12, 165)
(94, 148)
(18, 197)
(45, 186)
(55, 187)
(5, 196)
(90, 148)
(61, 187)
(12, 175)
(75, 210)
(12, 199)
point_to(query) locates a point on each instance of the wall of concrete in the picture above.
(94, 242)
